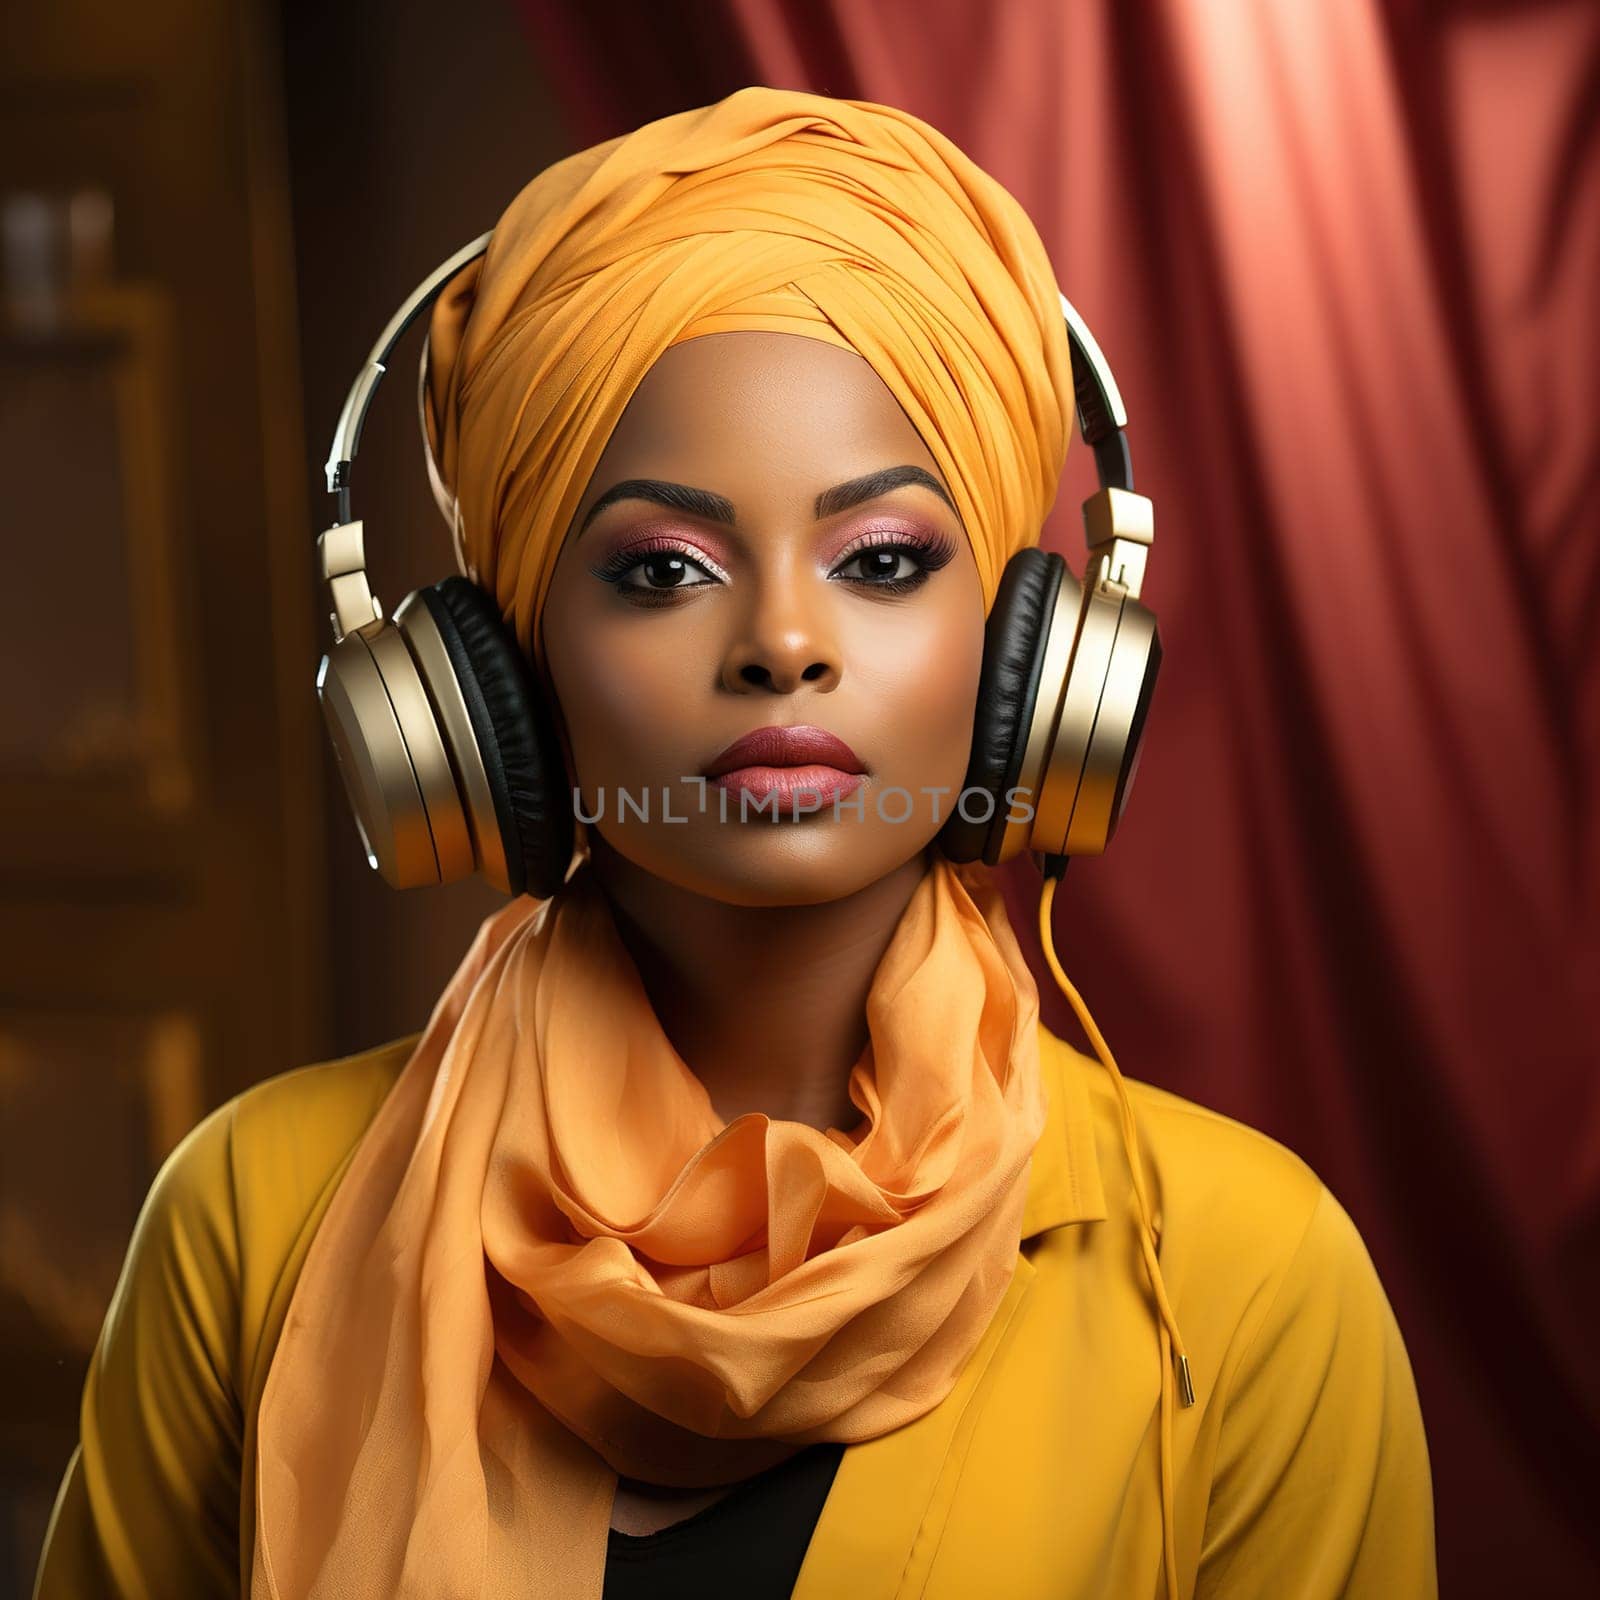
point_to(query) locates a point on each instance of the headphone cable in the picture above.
(1174, 1354)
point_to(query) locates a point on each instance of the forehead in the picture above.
(782, 402)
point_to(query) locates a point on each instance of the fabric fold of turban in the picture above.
(772, 209)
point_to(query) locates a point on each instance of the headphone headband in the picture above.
(1101, 416)
(347, 435)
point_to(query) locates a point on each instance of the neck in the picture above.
(767, 1005)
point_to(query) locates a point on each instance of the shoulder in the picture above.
(280, 1139)
(299, 1125)
(1254, 1246)
(235, 1197)
(1206, 1173)
(152, 1499)
(1307, 1417)
(289, 1140)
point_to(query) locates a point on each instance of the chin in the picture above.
(810, 862)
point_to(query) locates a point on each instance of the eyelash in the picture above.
(931, 551)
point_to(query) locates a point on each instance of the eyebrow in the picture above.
(716, 508)
(679, 496)
(845, 495)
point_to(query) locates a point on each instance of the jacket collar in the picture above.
(1064, 1174)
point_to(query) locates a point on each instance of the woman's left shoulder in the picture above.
(1199, 1164)
(1234, 1208)
(1313, 1435)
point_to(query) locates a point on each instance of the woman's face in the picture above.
(721, 576)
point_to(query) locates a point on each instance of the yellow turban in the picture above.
(773, 209)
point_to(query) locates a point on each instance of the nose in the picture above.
(785, 637)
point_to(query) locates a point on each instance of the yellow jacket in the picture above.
(1301, 1472)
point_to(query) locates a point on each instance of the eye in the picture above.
(660, 569)
(886, 564)
(894, 565)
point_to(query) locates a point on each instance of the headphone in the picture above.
(453, 766)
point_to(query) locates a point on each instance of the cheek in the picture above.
(920, 672)
(624, 695)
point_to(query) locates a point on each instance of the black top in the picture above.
(749, 1543)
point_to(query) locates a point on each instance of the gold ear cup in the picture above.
(1083, 723)
(1080, 704)
(421, 632)
(1117, 734)
(393, 761)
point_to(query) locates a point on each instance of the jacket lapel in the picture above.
(1064, 1180)
(879, 1527)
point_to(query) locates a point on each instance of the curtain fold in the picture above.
(1345, 261)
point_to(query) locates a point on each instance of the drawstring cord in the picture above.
(1174, 1356)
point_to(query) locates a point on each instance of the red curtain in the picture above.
(1345, 259)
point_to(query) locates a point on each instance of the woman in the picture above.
(734, 1226)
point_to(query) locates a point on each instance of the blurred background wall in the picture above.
(162, 851)
(1345, 260)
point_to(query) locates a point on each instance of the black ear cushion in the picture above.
(1008, 684)
(516, 736)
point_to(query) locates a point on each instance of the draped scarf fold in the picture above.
(551, 1261)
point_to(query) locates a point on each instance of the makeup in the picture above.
(793, 765)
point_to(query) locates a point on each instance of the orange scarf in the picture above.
(551, 1261)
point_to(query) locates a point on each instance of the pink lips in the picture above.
(790, 762)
